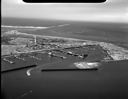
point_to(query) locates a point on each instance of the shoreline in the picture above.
(116, 52)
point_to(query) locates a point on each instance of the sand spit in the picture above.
(32, 27)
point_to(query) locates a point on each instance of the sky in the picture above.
(109, 11)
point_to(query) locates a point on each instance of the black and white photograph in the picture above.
(64, 50)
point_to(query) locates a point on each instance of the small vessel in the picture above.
(54, 55)
(19, 57)
(83, 56)
(34, 57)
(11, 62)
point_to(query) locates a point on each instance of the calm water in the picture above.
(109, 81)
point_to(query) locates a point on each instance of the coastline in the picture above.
(116, 52)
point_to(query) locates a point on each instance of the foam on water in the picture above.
(87, 65)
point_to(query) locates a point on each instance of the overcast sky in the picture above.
(110, 11)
